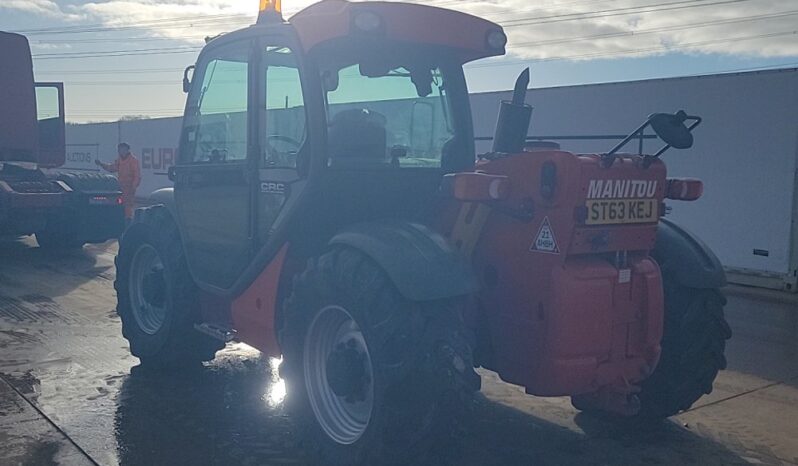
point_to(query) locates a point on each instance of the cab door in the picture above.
(214, 175)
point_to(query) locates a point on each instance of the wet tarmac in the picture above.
(70, 393)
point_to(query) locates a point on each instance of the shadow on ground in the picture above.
(229, 412)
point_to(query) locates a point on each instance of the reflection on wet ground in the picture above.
(70, 393)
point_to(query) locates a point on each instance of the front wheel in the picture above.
(60, 233)
(157, 300)
(372, 377)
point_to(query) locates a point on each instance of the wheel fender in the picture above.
(420, 262)
(165, 197)
(686, 259)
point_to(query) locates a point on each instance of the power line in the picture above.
(119, 39)
(119, 53)
(679, 5)
(641, 32)
(634, 51)
(506, 63)
(112, 71)
(150, 24)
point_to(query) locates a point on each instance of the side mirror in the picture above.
(187, 79)
(671, 129)
(171, 174)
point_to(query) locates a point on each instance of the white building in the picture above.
(746, 152)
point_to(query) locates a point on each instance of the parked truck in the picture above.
(63, 210)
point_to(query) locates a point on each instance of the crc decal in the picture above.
(545, 240)
(273, 187)
(621, 189)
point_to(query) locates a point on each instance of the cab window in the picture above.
(217, 128)
(284, 119)
(380, 114)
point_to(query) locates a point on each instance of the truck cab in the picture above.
(63, 210)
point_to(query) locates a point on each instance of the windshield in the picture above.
(386, 115)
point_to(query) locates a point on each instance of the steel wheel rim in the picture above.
(343, 421)
(149, 313)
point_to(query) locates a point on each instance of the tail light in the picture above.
(684, 189)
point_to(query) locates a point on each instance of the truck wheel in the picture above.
(156, 297)
(371, 376)
(693, 348)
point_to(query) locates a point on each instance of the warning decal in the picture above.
(545, 241)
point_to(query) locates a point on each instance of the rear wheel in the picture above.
(60, 232)
(372, 377)
(54, 238)
(693, 347)
(156, 297)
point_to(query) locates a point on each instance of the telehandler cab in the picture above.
(328, 207)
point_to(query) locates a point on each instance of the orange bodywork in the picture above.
(571, 308)
(253, 312)
(465, 35)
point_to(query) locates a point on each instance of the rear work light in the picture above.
(476, 186)
(367, 21)
(684, 189)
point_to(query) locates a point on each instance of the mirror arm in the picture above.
(636, 133)
(696, 122)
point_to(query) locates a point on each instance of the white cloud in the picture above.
(745, 27)
(537, 29)
(38, 7)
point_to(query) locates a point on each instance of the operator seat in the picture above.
(357, 137)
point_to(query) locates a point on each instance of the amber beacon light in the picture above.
(270, 10)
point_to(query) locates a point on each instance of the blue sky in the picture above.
(564, 41)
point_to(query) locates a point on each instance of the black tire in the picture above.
(91, 182)
(693, 346)
(175, 343)
(58, 239)
(419, 357)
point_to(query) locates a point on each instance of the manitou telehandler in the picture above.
(63, 210)
(329, 208)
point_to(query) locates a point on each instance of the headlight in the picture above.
(497, 39)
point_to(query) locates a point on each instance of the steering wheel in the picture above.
(286, 157)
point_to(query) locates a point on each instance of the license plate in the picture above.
(618, 211)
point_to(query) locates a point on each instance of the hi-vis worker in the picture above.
(128, 171)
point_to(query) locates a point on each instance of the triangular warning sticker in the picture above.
(545, 241)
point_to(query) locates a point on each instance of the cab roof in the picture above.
(463, 34)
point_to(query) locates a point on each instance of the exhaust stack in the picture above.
(514, 117)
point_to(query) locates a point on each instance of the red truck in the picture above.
(63, 210)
